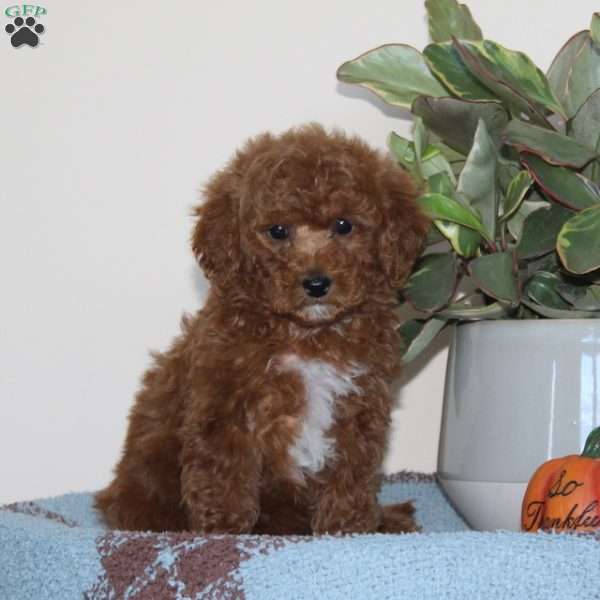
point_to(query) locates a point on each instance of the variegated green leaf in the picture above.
(419, 138)
(487, 74)
(439, 207)
(541, 229)
(448, 18)
(547, 262)
(542, 288)
(560, 74)
(433, 163)
(595, 28)
(575, 72)
(432, 282)
(403, 151)
(477, 182)
(555, 313)
(446, 64)
(585, 128)
(497, 310)
(420, 162)
(417, 335)
(515, 194)
(495, 275)
(409, 330)
(578, 243)
(430, 160)
(591, 299)
(553, 147)
(395, 72)
(455, 121)
(566, 186)
(516, 222)
(465, 242)
(585, 124)
(441, 184)
(504, 67)
(581, 296)
(507, 169)
(452, 156)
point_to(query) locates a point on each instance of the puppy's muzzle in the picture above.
(316, 287)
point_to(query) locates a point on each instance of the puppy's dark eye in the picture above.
(279, 232)
(342, 226)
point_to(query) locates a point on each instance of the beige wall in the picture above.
(109, 128)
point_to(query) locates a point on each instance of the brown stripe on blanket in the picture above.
(147, 566)
(34, 510)
(409, 477)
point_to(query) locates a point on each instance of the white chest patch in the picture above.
(323, 384)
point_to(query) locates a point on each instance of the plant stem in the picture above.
(503, 237)
(492, 247)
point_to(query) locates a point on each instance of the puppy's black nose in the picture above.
(316, 286)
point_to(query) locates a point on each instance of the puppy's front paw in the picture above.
(340, 519)
(213, 520)
(399, 518)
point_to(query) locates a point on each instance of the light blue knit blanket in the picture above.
(58, 549)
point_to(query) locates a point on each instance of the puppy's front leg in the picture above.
(219, 478)
(347, 500)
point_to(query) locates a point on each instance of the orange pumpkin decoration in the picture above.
(564, 493)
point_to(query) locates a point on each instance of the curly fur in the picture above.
(269, 413)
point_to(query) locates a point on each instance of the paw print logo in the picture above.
(24, 32)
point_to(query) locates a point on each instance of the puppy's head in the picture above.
(309, 225)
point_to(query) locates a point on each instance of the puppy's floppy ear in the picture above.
(404, 227)
(216, 235)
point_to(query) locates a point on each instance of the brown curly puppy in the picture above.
(269, 413)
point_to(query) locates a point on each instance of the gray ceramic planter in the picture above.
(517, 393)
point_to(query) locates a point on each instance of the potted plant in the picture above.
(508, 162)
